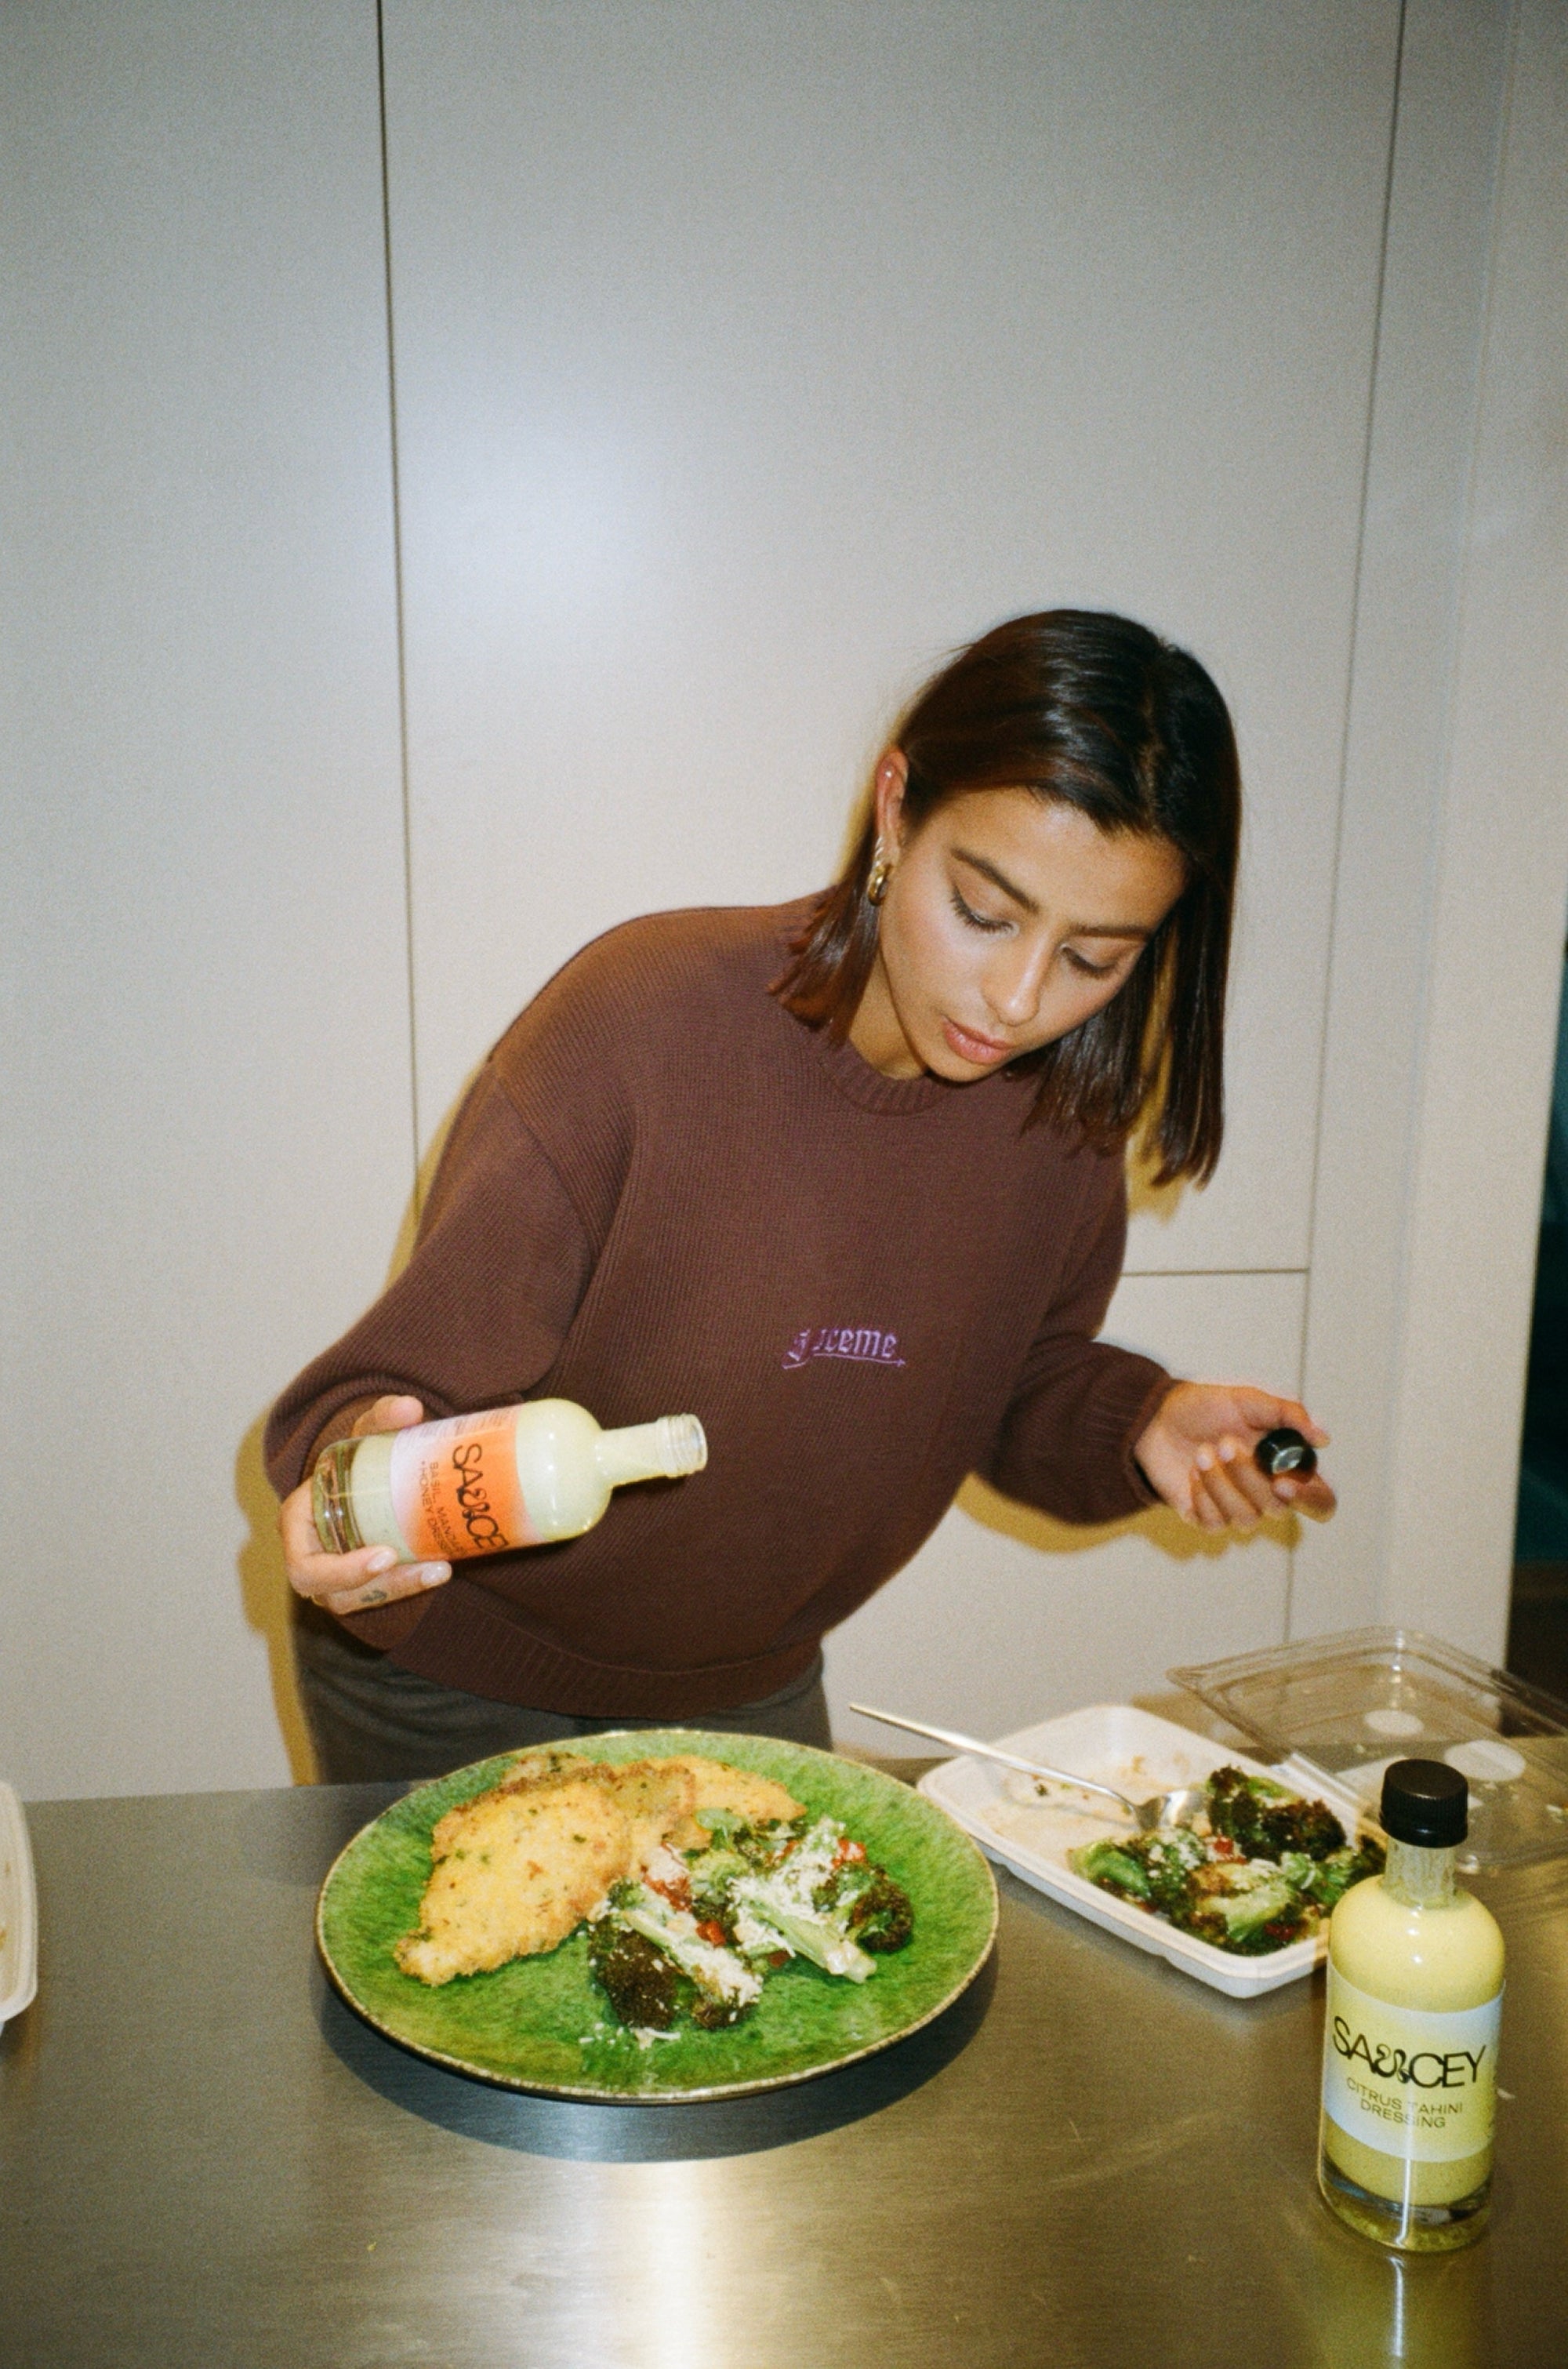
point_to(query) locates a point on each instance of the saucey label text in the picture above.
(454, 1486)
(1425, 2069)
(1418, 2085)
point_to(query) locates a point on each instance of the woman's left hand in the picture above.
(1198, 1453)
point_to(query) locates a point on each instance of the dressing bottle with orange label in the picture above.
(476, 1484)
(1410, 2043)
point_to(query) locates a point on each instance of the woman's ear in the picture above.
(890, 781)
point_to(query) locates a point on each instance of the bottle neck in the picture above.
(651, 1451)
(1419, 1877)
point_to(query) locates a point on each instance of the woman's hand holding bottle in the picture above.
(1198, 1454)
(371, 1576)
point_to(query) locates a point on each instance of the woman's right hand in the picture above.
(353, 1583)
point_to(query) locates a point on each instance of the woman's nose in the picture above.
(1014, 988)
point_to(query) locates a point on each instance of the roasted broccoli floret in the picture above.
(881, 1915)
(1115, 1867)
(643, 1985)
(1170, 1855)
(1246, 1909)
(709, 1983)
(804, 1904)
(798, 1888)
(761, 1844)
(1265, 1821)
(1326, 1881)
(1154, 1871)
(711, 1875)
(734, 1849)
(1353, 1865)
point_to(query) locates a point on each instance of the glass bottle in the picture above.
(1410, 2041)
(476, 1484)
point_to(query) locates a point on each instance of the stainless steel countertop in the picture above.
(206, 2159)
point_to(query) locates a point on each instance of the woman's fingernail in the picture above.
(434, 1572)
(382, 1560)
(1227, 1452)
(1203, 1460)
(1285, 1489)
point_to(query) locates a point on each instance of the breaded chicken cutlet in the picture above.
(517, 1868)
(739, 1792)
(514, 1873)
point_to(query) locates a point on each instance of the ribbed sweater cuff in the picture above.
(1119, 1414)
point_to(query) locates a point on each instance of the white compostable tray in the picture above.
(18, 1910)
(1140, 1755)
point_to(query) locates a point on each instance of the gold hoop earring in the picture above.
(877, 878)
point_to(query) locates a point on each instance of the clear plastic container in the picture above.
(1340, 1709)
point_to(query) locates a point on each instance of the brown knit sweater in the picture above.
(665, 1194)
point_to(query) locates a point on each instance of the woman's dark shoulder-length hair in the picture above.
(1096, 711)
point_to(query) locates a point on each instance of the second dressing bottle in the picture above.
(474, 1485)
(1410, 2043)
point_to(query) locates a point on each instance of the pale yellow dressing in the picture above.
(1435, 1959)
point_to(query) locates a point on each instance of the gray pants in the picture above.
(371, 1722)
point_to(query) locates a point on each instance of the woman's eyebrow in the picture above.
(980, 864)
(1020, 897)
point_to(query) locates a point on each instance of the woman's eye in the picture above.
(1090, 970)
(975, 920)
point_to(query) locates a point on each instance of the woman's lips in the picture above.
(984, 1051)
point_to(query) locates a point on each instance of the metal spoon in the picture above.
(1176, 1808)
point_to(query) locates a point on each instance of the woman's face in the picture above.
(1006, 922)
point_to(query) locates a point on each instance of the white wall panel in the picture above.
(1005, 1616)
(206, 1124)
(1435, 302)
(1453, 874)
(1499, 900)
(747, 358)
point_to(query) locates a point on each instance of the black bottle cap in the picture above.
(1426, 1803)
(1285, 1450)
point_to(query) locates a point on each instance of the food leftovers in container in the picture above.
(1337, 1709)
(1048, 1835)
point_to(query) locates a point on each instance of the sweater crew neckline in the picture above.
(850, 1072)
(859, 1083)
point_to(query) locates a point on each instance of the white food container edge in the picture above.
(18, 1910)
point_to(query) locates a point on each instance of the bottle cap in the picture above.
(1425, 1802)
(1284, 1451)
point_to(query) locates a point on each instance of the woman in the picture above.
(845, 1179)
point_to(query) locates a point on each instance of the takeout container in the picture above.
(18, 1910)
(1140, 1755)
(1337, 1709)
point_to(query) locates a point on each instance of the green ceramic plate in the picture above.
(542, 2023)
